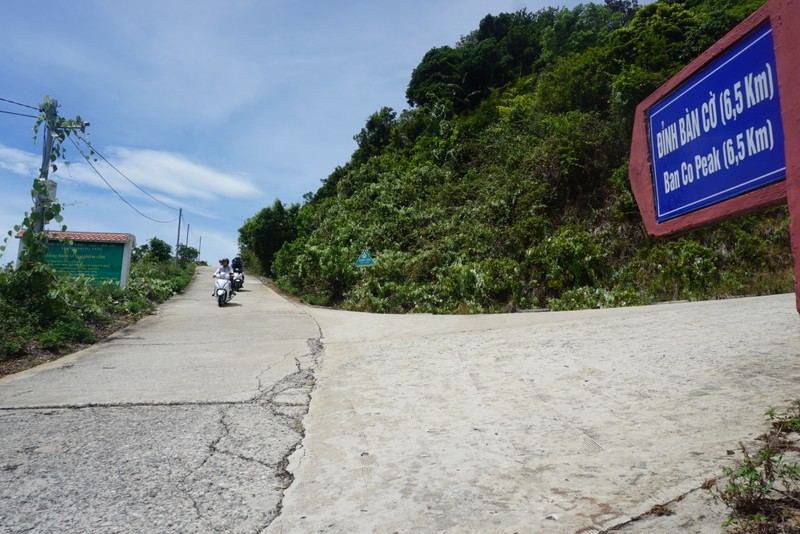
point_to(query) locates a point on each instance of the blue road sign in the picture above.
(364, 260)
(720, 133)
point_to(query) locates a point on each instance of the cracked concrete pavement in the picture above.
(180, 423)
(534, 422)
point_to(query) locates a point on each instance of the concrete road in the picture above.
(180, 423)
(570, 422)
(538, 422)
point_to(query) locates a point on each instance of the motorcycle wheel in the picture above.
(221, 299)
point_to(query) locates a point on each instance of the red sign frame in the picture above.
(784, 17)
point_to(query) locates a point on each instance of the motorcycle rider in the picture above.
(225, 271)
(238, 266)
(237, 263)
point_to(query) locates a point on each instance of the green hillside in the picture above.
(504, 185)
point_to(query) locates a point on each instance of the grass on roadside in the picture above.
(762, 490)
(44, 315)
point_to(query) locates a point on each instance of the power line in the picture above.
(18, 104)
(117, 192)
(95, 151)
(19, 114)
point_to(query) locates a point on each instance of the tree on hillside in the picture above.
(155, 249)
(625, 7)
(375, 135)
(435, 78)
(263, 235)
(187, 253)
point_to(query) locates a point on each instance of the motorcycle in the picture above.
(223, 290)
(238, 279)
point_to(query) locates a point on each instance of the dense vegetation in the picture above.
(44, 314)
(504, 185)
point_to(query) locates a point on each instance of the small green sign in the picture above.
(99, 261)
(364, 260)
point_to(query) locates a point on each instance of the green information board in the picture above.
(99, 261)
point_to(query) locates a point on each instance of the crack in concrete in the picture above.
(316, 351)
(299, 386)
(90, 405)
(183, 485)
(647, 514)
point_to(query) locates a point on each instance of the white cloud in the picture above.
(176, 175)
(155, 171)
(19, 162)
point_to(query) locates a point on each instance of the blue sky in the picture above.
(217, 107)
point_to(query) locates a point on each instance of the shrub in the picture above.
(569, 259)
(593, 297)
(63, 332)
(39, 308)
(762, 489)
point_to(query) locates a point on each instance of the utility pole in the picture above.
(46, 193)
(41, 200)
(178, 242)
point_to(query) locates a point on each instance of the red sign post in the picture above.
(731, 145)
